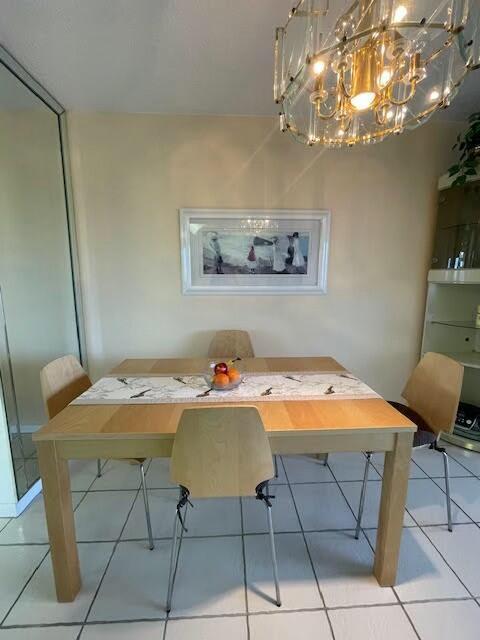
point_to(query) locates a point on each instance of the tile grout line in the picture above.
(244, 558)
(394, 591)
(8, 520)
(446, 562)
(368, 541)
(37, 567)
(88, 623)
(115, 546)
(380, 605)
(371, 546)
(429, 540)
(24, 587)
(415, 525)
(312, 566)
(88, 490)
(434, 479)
(450, 446)
(303, 482)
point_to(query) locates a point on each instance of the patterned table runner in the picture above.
(254, 387)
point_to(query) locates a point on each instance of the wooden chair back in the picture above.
(433, 391)
(62, 381)
(221, 452)
(230, 344)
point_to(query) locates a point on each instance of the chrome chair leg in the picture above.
(147, 508)
(275, 465)
(274, 556)
(447, 489)
(362, 496)
(99, 468)
(173, 562)
(175, 551)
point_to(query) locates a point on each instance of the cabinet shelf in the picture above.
(462, 324)
(468, 359)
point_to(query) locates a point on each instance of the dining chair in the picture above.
(432, 393)
(220, 452)
(63, 380)
(231, 343)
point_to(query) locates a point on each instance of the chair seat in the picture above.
(424, 435)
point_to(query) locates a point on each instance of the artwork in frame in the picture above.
(245, 251)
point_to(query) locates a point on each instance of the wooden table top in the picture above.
(287, 417)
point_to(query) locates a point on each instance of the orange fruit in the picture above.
(233, 374)
(221, 380)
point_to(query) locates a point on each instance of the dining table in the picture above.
(308, 405)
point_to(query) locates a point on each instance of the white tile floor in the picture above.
(224, 586)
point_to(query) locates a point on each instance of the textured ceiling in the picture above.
(164, 56)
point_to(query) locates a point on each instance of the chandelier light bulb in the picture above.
(384, 78)
(400, 13)
(376, 68)
(363, 101)
(318, 67)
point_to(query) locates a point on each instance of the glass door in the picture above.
(38, 320)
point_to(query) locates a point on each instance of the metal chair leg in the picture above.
(147, 508)
(99, 468)
(173, 562)
(175, 552)
(274, 556)
(275, 465)
(325, 460)
(447, 489)
(362, 496)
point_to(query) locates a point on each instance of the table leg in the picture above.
(392, 508)
(60, 521)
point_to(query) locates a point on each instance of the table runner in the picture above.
(254, 387)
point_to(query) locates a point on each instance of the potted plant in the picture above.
(468, 144)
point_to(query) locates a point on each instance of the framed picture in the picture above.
(236, 251)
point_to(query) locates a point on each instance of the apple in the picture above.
(221, 367)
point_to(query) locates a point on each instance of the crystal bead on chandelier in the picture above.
(373, 68)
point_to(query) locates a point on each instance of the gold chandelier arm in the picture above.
(325, 116)
(380, 121)
(400, 103)
(343, 87)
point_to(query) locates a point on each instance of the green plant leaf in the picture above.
(471, 171)
(460, 181)
(454, 169)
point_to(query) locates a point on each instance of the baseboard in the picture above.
(13, 510)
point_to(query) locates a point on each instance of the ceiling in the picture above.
(162, 56)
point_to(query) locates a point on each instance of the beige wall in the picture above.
(133, 172)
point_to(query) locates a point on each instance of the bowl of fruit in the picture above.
(223, 376)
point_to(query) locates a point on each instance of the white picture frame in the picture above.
(236, 251)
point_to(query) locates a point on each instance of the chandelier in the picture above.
(374, 68)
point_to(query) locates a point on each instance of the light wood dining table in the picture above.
(294, 427)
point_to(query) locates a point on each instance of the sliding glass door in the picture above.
(38, 319)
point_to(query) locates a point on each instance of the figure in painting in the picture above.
(290, 251)
(298, 259)
(215, 245)
(252, 260)
(278, 257)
